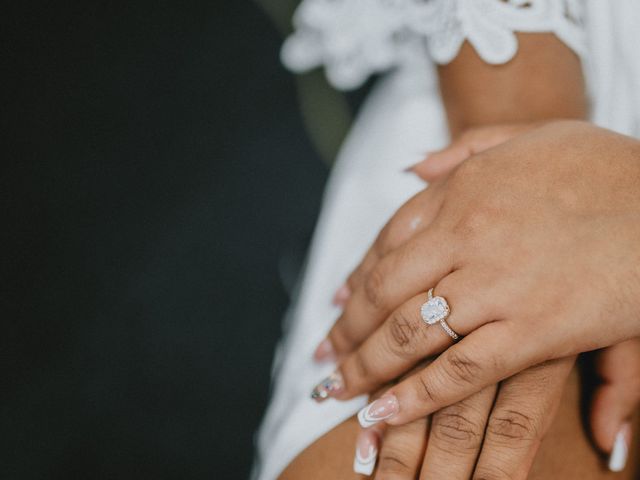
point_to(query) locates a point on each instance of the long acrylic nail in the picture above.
(383, 408)
(324, 352)
(342, 295)
(329, 387)
(620, 451)
(366, 452)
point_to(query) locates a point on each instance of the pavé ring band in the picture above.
(436, 310)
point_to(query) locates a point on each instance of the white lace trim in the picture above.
(356, 38)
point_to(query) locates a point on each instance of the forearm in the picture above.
(543, 81)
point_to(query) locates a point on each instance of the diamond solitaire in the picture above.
(435, 309)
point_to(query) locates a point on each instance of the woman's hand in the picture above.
(440, 163)
(534, 261)
(496, 432)
(484, 435)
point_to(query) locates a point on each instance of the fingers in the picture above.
(404, 338)
(615, 400)
(401, 274)
(414, 216)
(481, 359)
(471, 142)
(455, 437)
(441, 162)
(402, 451)
(523, 412)
(411, 219)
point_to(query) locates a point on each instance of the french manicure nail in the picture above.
(620, 451)
(329, 387)
(341, 297)
(366, 453)
(383, 408)
(324, 351)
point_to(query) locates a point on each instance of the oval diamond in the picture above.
(434, 310)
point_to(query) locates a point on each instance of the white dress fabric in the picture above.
(402, 119)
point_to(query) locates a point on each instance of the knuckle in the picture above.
(508, 426)
(382, 244)
(373, 288)
(355, 278)
(460, 367)
(393, 463)
(455, 430)
(341, 337)
(403, 332)
(361, 370)
(463, 173)
(492, 472)
(476, 220)
(425, 389)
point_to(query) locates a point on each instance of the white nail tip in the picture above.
(383, 408)
(367, 420)
(365, 465)
(620, 452)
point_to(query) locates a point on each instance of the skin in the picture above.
(588, 268)
(543, 81)
(566, 451)
(532, 396)
(469, 91)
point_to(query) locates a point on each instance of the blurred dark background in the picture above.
(158, 192)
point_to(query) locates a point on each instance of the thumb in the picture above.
(615, 400)
(473, 141)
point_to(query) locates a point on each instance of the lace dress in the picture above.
(401, 120)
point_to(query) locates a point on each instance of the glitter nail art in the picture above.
(328, 387)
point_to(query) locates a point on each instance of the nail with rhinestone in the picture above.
(329, 387)
(382, 409)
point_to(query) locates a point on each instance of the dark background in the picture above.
(157, 187)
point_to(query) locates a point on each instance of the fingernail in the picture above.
(341, 296)
(324, 351)
(366, 453)
(383, 408)
(328, 387)
(620, 451)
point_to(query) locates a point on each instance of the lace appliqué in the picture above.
(353, 39)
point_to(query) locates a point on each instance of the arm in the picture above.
(529, 88)
(543, 81)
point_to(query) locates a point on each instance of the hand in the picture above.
(484, 206)
(458, 432)
(434, 167)
(488, 437)
(471, 142)
(483, 436)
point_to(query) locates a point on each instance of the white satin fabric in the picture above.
(401, 120)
